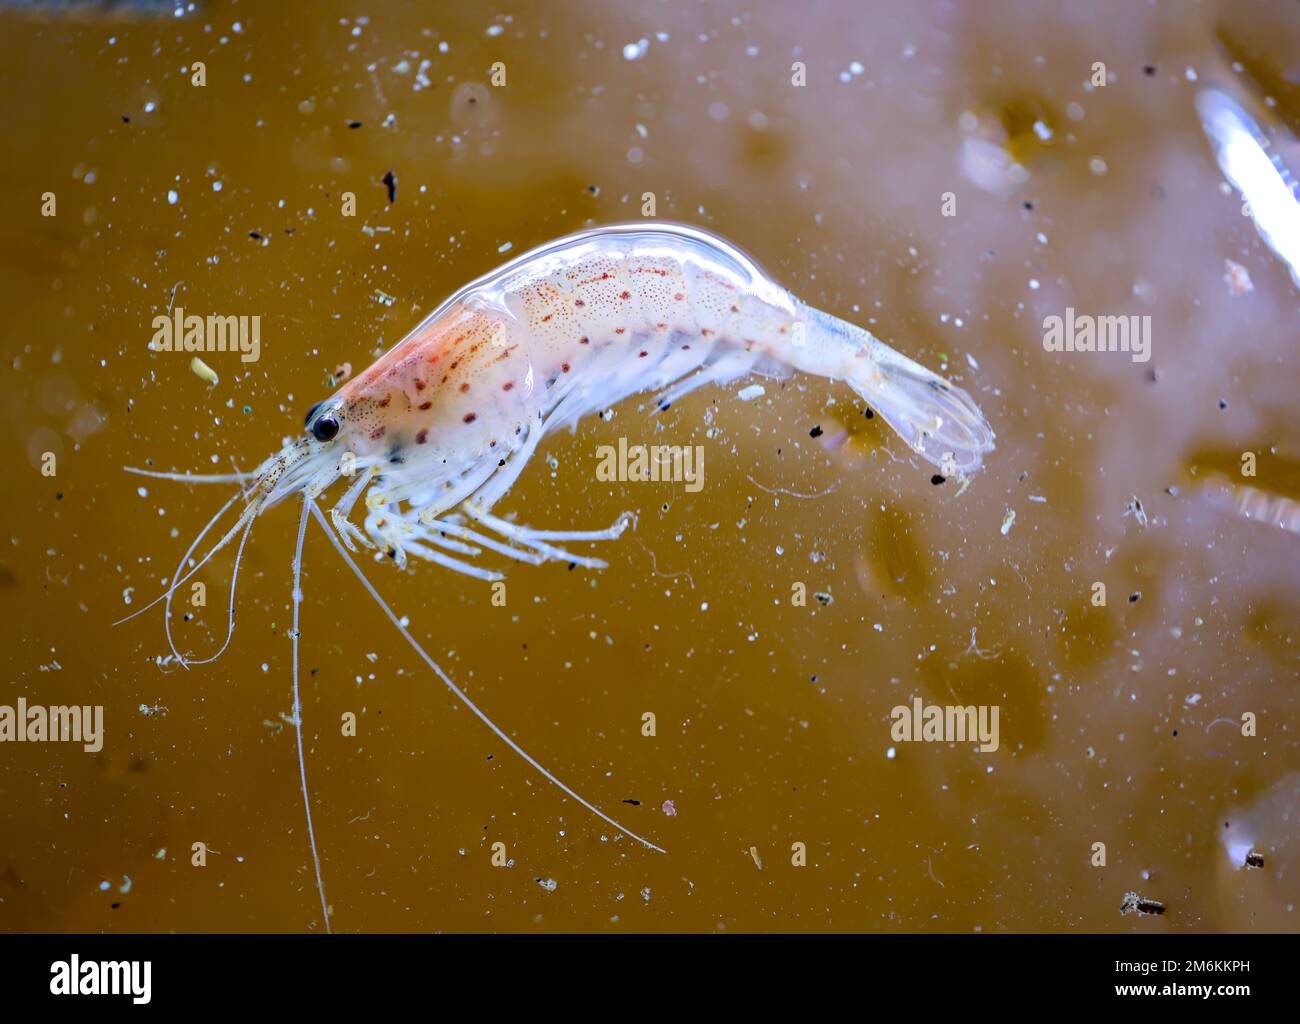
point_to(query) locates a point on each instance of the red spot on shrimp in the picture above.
(507, 385)
(584, 340)
(421, 437)
(420, 385)
(377, 433)
(625, 295)
(547, 317)
(679, 296)
(565, 367)
(383, 403)
(619, 330)
(578, 302)
(642, 354)
(470, 417)
(464, 387)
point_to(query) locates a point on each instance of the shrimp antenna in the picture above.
(194, 478)
(230, 613)
(245, 517)
(297, 703)
(460, 694)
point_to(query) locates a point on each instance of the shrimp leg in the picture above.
(343, 508)
(536, 540)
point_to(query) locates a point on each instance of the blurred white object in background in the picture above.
(1251, 161)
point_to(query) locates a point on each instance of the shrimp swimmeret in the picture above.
(437, 430)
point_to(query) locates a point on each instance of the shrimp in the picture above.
(435, 432)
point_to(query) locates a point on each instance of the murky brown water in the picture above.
(1119, 725)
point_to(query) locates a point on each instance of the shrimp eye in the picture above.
(325, 428)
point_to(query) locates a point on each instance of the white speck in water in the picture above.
(505, 246)
(635, 51)
(1097, 166)
(172, 197)
(750, 393)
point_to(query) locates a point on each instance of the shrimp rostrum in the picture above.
(433, 435)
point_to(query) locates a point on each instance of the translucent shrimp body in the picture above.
(437, 430)
(579, 324)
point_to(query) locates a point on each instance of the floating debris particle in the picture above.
(204, 372)
(161, 854)
(824, 599)
(669, 809)
(549, 884)
(750, 393)
(1007, 521)
(758, 861)
(1134, 508)
(1254, 859)
(645, 894)
(1237, 278)
(383, 298)
(1133, 903)
(390, 179)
